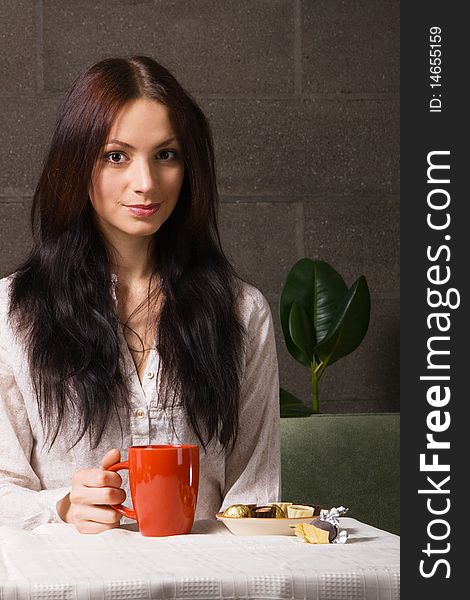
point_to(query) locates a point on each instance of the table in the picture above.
(55, 562)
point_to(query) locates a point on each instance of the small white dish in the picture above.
(260, 526)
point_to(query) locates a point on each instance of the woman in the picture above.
(127, 325)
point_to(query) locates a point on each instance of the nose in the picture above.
(142, 176)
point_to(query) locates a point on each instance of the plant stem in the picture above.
(314, 390)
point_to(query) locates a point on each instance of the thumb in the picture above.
(110, 458)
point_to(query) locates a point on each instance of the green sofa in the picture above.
(351, 460)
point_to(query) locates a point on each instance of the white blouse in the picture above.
(33, 480)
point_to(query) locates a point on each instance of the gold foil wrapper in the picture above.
(311, 534)
(279, 513)
(283, 506)
(238, 510)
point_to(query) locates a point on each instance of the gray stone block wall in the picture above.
(303, 98)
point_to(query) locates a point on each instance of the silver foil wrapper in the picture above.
(332, 516)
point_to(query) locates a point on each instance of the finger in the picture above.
(90, 527)
(97, 478)
(110, 458)
(98, 514)
(97, 495)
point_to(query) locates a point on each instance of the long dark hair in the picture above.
(60, 295)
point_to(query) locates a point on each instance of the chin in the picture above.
(144, 229)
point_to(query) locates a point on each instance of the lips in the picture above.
(146, 206)
(143, 210)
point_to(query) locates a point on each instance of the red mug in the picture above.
(164, 481)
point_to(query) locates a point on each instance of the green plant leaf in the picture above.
(319, 289)
(292, 406)
(349, 326)
(301, 330)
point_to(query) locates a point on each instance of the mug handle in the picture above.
(120, 508)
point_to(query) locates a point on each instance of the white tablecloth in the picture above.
(55, 562)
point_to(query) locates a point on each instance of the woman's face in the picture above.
(142, 165)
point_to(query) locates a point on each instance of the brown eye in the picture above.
(113, 157)
(167, 155)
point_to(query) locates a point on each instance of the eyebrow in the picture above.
(126, 145)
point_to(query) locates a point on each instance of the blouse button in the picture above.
(150, 374)
(140, 413)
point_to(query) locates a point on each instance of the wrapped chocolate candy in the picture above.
(279, 513)
(323, 530)
(283, 506)
(265, 512)
(238, 510)
(299, 510)
(331, 529)
(311, 534)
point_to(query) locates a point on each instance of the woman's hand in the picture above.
(87, 504)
